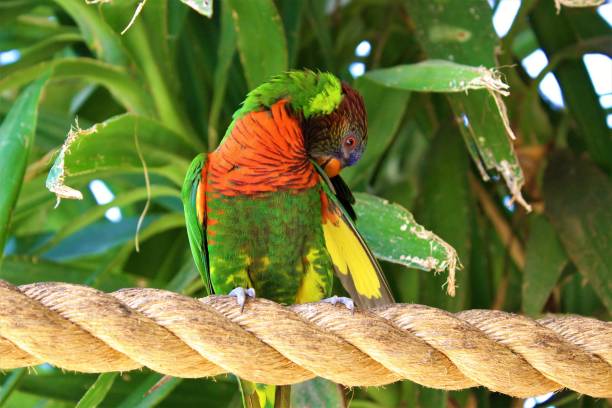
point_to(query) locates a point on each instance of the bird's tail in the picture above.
(256, 395)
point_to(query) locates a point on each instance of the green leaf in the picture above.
(148, 43)
(40, 51)
(32, 202)
(258, 23)
(488, 135)
(97, 238)
(544, 261)
(116, 79)
(317, 392)
(438, 76)
(480, 280)
(204, 7)
(580, 298)
(444, 207)
(431, 398)
(10, 384)
(16, 140)
(113, 146)
(55, 385)
(452, 31)
(156, 226)
(524, 44)
(578, 200)
(25, 31)
(20, 399)
(9, 10)
(195, 70)
(187, 275)
(359, 403)
(394, 236)
(319, 25)
(21, 270)
(100, 38)
(409, 393)
(292, 11)
(98, 391)
(388, 396)
(141, 398)
(225, 54)
(98, 212)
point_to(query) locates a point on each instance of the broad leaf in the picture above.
(16, 140)
(578, 200)
(96, 239)
(40, 51)
(147, 43)
(225, 54)
(394, 236)
(454, 32)
(67, 388)
(122, 144)
(438, 76)
(96, 213)
(100, 38)
(257, 23)
(544, 261)
(124, 88)
(292, 12)
(22, 270)
(446, 164)
(317, 392)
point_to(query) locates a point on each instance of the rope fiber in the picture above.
(82, 329)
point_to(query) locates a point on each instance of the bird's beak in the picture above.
(330, 165)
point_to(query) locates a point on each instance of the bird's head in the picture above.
(338, 139)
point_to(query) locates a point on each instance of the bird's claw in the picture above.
(348, 302)
(241, 293)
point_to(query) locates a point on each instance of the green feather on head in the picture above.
(310, 93)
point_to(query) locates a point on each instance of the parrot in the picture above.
(267, 212)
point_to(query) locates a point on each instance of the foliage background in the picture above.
(179, 76)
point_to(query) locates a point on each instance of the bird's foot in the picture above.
(348, 302)
(241, 293)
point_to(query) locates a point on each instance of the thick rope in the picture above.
(79, 328)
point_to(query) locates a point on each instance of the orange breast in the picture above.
(264, 153)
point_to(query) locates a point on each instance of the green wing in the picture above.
(353, 261)
(193, 196)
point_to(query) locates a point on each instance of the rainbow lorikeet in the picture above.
(267, 212)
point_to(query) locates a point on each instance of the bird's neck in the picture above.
(263, 153)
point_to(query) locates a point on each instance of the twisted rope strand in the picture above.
(82, 329)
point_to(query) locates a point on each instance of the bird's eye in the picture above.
(350, 141)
